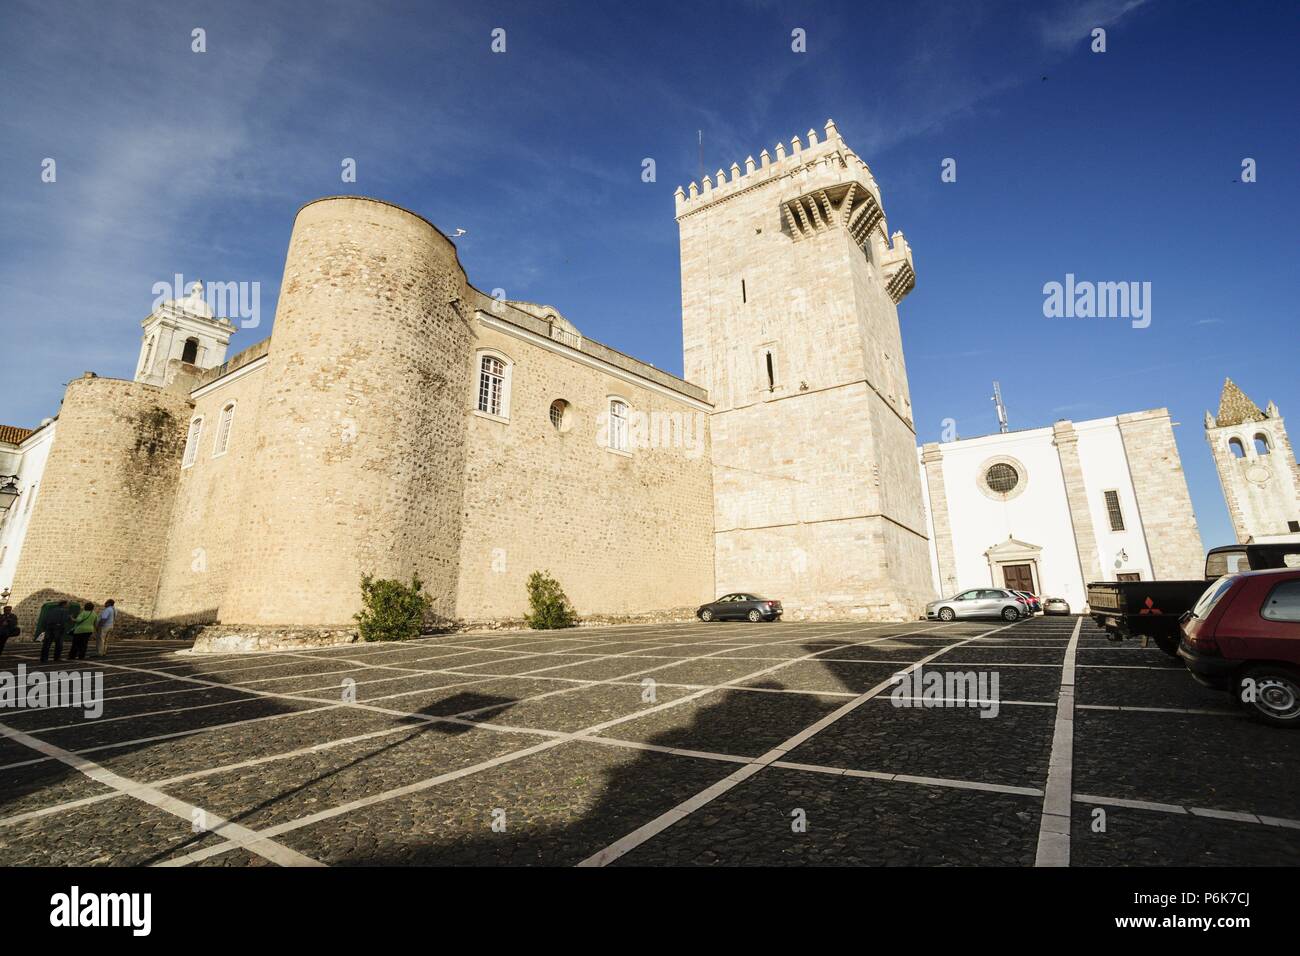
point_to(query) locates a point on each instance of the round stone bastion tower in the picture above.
(99, 526)
(360, 448)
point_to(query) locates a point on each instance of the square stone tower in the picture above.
(1257, 466)
(790, 287)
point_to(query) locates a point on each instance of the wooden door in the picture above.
(1019, 577)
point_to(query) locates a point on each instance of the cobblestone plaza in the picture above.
(680, 744)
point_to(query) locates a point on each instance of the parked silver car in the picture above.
(1056, 605)
(980, 602)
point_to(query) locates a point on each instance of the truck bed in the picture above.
(1144, 608)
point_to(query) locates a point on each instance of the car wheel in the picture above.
(1167, 643)
(1274, 694)
(1010, 614)
(706, 615)
(755, 616)
(947, 614)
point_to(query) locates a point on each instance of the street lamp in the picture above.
(8, 491)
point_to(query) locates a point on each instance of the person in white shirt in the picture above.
(104, 624)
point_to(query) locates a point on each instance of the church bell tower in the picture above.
(182, 329)
(1257, 467)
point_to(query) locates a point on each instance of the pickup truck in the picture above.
(1152, 608)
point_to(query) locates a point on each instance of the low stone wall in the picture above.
(677, 615)
(227, 640)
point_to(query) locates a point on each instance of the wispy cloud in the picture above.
(1071, 24)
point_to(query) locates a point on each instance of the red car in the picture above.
(1243, 636)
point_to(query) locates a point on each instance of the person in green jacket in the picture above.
(83, 626)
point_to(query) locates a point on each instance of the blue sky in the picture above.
(1120, 166)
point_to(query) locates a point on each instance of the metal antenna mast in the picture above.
(1002, 409)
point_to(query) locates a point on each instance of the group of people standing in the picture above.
(60, 619)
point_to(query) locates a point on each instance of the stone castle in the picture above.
(400, 422)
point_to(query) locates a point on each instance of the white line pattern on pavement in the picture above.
(684, 809)
(1054, 825)
(236, 834)
(584, 734)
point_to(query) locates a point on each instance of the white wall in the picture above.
(1105, 468)
(1040, 513)
(29, 465)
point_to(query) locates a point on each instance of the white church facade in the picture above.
(1049, 509)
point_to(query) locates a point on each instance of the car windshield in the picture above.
(1212, 595)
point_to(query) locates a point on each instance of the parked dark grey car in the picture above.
(739, 607)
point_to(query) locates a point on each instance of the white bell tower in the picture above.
(185, 330)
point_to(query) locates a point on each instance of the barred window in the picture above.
(491, 384)
(1002, 478)
(192, 443)
(223, 430)
(1113, 511)
(617, 424)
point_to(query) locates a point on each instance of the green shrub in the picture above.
(392, 611)
(550, 607)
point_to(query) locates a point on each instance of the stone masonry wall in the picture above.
(1164, 503)
(624, 534)
(1066, 440)
(99, 526)
(359, 457)
(932, 460)
(208, 516)
(815, 467)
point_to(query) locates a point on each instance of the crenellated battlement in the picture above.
(896, 266)
(821, 185)
(802, 164)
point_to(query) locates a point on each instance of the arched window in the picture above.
(1237, 448)
(493, 386)
(1261, 444)
(192, 442)
(190, 353)
(618, 424)
(560, 415)
(223, 429)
